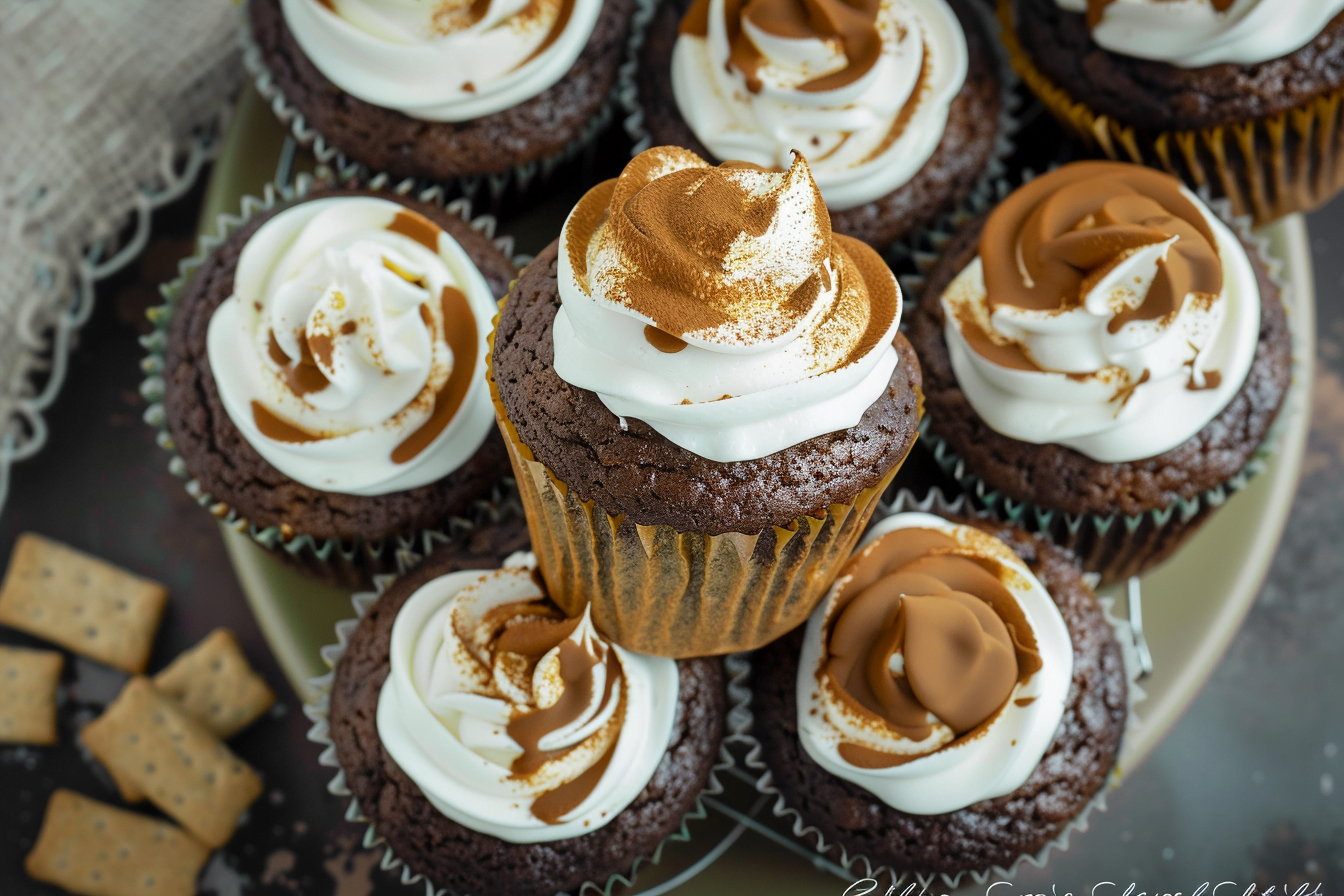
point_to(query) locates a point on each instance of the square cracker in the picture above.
(28, 682)
(145, 738)
(215, 685)
(93, 849)
(80, 602)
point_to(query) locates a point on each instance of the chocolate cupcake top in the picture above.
(450, 61)
(715, 304)
(936, 670)
(1108, 310)
(514, 720)
(863, 88)
(1198, 33)
(351, 354)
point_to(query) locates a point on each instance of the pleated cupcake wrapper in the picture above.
(318, 712)
(656, 590)
(319, 555)
(1267, 167)
(1118, 541)
(748, 748)
(487, 189)
(982, 193)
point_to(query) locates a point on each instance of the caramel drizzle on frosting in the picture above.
(852, 23)
(304, 376)
(528, 630)
(1050, 242)
(1096, 9)
(964, 640)
(672, 237)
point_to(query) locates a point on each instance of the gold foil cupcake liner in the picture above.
(318, 711)
(748, 749)
(1267, 167)
(346, 562)
(656, 590)
(490, 190)
(1117, 546)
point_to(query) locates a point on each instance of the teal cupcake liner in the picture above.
(487, 189)
(1117, 546)
(318, 711)
(750, 762)
(347, 562)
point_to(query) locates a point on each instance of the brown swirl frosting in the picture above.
(732, 254)
(924, 635)
(850, 23)
(1052, 240)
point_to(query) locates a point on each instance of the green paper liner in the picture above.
(488, 189)
(318, 711)
(659, 591)
(1267, 167)
(352, 563)
(748, 748)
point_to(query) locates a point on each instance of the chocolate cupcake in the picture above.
(953, 705)
(496, 745)
(896, 105)
(704, 394)
(322, 377)
(441, 91)
(1241, 96)
(1104, 358)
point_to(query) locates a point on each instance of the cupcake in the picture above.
(1240, 95)
(499, 746)
(1103, 359)
(704, 394)
(323, 378)
(895, 105)
(953, 705)
(442, 90)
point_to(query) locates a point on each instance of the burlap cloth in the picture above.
(108, 109)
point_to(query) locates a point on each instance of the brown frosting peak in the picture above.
(851, 23)
(1051, 241)
(963, 640)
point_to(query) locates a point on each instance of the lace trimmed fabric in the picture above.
(110, 110)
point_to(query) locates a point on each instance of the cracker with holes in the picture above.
(28, 682)
(146, 739)
(215, 685)
(93, 849)
(80, 602)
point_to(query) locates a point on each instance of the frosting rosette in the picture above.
(862, 86)
(442, 61)
(1108, 310)
(715, 304)
(515, 720)
(351, 354)
(1198, 33)
(935, 672)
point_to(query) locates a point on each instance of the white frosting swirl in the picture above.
(947, 775)
(761, 381)
(1115, 397)
(337, 330)
(1193, 33)
(863, 139)
(445, 710)
(448, 61)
